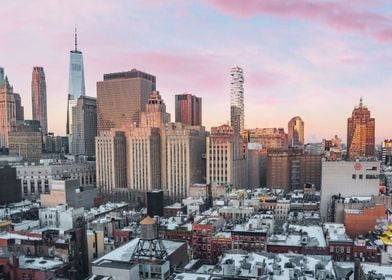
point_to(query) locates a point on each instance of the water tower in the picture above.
(149, 245)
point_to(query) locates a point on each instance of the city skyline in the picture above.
(311, 64)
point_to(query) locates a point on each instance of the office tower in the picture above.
(269, 137)
(38, 98)
(226, 157)
(143, 162)
(296, 132)
(237, 99)
(19, 108)
(121, 97)
(291, 168)
(111, 164)
(7, 110)
(84, 126)
(26, 140)
(182, 165)
(155, 113)
(76, 86)
(360, 133)
(144, 148)
(188, 109)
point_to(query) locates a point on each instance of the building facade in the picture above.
(226, 153)
(111, 162)
(38, 98)
(347, 178)
(19, 107)
(188, 109)
(7, 110)
(121, 97)
(296, 132)
(35, 178)
(84, 126)
(237, 112)
(360, 133)
(26, 140)
(144, 161)
(182, 159)
(269, 137)
(291, 169)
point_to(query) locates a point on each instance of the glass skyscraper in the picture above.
(76, 85)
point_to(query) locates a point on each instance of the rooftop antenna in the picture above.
(76, 39)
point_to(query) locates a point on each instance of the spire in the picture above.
(360, 102)
(76, 39)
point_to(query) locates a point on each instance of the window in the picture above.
(360, 176)
(354, 176)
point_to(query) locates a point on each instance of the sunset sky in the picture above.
(314, 59)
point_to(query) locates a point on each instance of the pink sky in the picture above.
(314, 59)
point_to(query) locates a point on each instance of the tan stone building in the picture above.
(7, 110)
(26, 141)
(226, 157)
(182, 159)
(143, 163)
(268, 137)
(111, 163)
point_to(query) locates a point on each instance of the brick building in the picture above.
(360, 222)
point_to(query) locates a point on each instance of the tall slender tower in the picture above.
(7, 110)
(296, 132)
(360, 133)
(38, 98)
(237, 99)
(76, 87)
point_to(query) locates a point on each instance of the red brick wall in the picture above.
(362, 223)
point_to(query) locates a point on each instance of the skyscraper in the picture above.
(76, 86)
(237, 99)
(296, 132)
(7, 109)
(188, 109)
(111, 164)
(155, 114)
(19, 108)
(84, 126)
(182, 159)
(360, 133)
(38, 98)
(121, 97)
(226, 157)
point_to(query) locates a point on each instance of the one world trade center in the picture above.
(76, 86)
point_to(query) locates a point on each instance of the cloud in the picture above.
(342, 16)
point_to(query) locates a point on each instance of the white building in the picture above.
(143, 151)
(111, 164)
(60, 216)
(182, 162)
(237, 99)
(282, 209)
(226, 157)
(35, 177)
(347, 178)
